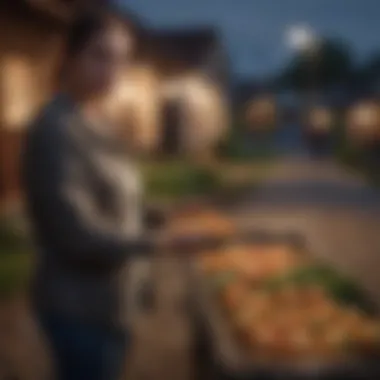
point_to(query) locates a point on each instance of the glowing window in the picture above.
(18, 92)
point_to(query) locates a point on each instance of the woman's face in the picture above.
(101, 63)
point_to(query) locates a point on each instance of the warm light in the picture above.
(134, 106)
(366, 116)
(320, 119)
(205, 113)
(18, 92)
(261, 113)
(173, 88)
(363, 121)
(141, 96)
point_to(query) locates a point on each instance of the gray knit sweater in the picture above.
(83, 198)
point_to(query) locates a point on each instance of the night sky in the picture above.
(254, 30)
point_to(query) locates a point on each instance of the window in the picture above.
(18, 92)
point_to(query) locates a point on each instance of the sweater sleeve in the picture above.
(74, 224)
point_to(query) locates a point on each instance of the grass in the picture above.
(179, 180)
(15, 269)
(359, 159)
(242, 146)
(361, 162)
(15, 259)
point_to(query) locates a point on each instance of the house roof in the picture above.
(186, 45)
(171, 49)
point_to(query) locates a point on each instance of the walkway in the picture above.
(309, 183)
(336, 210)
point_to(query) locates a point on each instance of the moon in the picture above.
(300, 37)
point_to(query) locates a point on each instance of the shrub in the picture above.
(180, 179)
(245, 146)
(15, 258)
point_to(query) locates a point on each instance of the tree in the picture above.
(372, 67)
(368, 75)
(328, 63)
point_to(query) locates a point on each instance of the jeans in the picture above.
(85, 352)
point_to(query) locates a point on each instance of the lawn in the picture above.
(362, 159)
(15, 259)
(15, 270)
(174, 179)
(180, 180)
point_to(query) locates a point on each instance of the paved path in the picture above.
(335, 209)
(308, 184)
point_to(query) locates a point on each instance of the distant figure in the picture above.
(83, 194)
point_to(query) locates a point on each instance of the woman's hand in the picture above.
(155, 218)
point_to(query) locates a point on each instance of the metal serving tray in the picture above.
(222, 357)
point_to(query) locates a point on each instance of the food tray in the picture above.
(226, 359)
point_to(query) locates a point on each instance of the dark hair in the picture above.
(90, 22)
(86, 25)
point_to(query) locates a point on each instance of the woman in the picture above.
(83, 197)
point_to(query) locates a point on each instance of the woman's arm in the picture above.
(63, 198)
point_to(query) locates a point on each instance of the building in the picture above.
(173, 99)
(180, 76)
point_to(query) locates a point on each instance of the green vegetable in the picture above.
(339, 287)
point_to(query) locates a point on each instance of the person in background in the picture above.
(83, 196)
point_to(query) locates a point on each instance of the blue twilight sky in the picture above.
(254, 30)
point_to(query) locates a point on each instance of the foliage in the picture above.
(241, 145)
(363, 159)
(329, 64)
(178, 179)
(11, 236)
(231, 146)
(338, 286)
(15, 258)
(15, 269)
(369, 71)
(223, 182)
